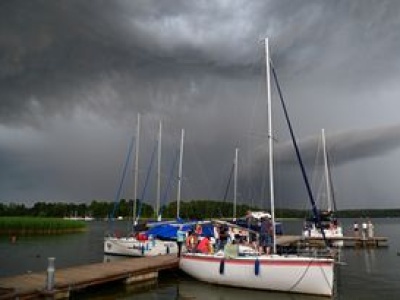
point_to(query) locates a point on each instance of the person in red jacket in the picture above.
(204, 245)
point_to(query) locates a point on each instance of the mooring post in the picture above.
(50, 274)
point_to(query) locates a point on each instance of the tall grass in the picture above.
(35, 225)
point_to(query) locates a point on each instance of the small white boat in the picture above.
(331, 233)
(293, 274)
(328, 223)
(130, 246)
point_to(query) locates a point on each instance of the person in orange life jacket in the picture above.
(191, 242)
(204, 246)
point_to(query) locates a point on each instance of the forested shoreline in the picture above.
(199, 209)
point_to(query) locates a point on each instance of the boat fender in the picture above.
(257, 267)
(142, 249)
(222, 266)
(167, 249)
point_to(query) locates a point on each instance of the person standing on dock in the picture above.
(370, 229)
(364, 228)
(356, 229)
(180, 238)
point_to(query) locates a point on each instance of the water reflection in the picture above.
(190, 289)
(369, 259)
(112, 258)
(174, 288)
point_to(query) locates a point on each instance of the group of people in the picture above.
(366, 230)
(193, 240)
(225, 236)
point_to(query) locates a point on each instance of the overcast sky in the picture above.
(75, 74)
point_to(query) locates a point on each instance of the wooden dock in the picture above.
(66, 280)
(348, 241)
(355, 242)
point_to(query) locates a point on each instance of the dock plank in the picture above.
(31, 285)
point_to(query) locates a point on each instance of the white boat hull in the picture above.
(336, 233)
(130, 246)
(276, 273)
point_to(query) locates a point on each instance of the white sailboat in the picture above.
(332, 229)
(140, 245)
(288, 273)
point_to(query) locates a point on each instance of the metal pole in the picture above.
(178, 196)
(327, 179)
(136, 170)
(159, 175)
(270, 142)
(50, 274)
(235, 183)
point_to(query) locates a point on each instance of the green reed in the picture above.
(36, 225)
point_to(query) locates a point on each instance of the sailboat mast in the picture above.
(159, 174)
(270, 142)
(136, 170)
(178, 196)
(327, 179)
(235, 183)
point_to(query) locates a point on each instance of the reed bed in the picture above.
(36, 225)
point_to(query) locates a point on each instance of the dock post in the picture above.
(50, 274)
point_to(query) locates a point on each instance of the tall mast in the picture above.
(327, 179)
(159, 175)
(136, 169)
(178, 196)
(235, 183)
(270, 142)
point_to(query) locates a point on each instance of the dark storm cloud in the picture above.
(77, 73)
(342, 147)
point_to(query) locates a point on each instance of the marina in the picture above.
(130, 271)
(358, 276)
(177, 150)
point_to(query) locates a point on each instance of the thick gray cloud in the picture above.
(74, 75)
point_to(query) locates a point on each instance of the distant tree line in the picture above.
(194, 209)
(198, 209)
(370, 213)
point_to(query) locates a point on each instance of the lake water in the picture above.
(365, 273)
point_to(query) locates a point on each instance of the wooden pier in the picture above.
(66, 280)
(355, 242)
(348, 241)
